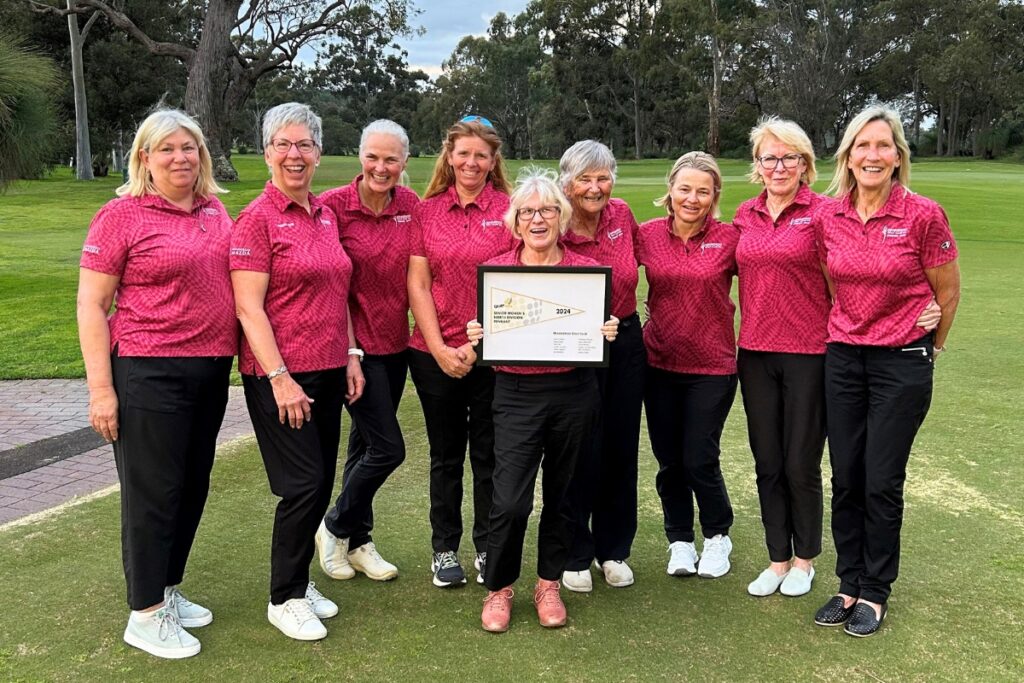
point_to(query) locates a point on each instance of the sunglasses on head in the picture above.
(473, 118)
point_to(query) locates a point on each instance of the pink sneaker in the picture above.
(550, 608)
(497, 610)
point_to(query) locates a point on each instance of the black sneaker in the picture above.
(832, 613)
(480, 563)
(447, 570)
(863, 622)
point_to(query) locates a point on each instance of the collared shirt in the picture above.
(612, 245)
(784, 300)
(309, 278)
(174, 294)
(513, 258)
(690, 315)
(877, 268)
(455, 240)
(379, 249)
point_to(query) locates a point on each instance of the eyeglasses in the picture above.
(527, 214)
(282, 146)
(473, 118)
(770, 163)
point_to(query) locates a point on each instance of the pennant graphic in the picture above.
(512, 310)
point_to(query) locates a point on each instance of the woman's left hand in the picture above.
(930, 316)
(610, 329)
(354, 378)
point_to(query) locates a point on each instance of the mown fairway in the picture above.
(955, 613)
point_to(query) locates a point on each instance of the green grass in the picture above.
(955, 612)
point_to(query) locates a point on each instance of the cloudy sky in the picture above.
(446, 22)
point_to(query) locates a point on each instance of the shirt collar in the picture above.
(158, 201)
(482, 200)
(355, 204)
(281, 201)
(603, 224)
(894, 207)
(709, 223)
(803, 197)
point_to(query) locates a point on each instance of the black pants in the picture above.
(538, 418)
(784, 398)
(169, 414)
(456, 410)
(300, 466)
(685, 417)
(375, 448)
(603, 490)
(876, 400)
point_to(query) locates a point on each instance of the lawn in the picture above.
(955, 612)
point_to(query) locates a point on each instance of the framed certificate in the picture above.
(543, 315)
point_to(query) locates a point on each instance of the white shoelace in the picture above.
(167, 624)
(447, 560)
(301, 609)
(312, 594)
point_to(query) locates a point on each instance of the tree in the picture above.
(28, 82)
(237, 43)
(83, 156)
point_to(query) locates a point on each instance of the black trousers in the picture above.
(784, 398)
(538, 419)
(300, 466)
(169, 414)
(685, 418)
(375, 448)
(876, 400)
(603, 491)
(456, 410)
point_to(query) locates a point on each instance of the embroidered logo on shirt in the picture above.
(241, 251)
(615, 234)
(211, 212)
(404, 218)
(893, 233)
(285, 225)
(800, 221)
(327, 222)
(710, 245)
(492, 224)
(945, 245)
(93, 249)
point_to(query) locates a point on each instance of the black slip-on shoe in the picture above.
(862, 622)
(832, 613)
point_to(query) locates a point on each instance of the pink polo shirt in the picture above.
(174, 295)
(612, 245)
(784, 300)
(877, 268)
(512, 258)
(690, 322)
(309, 279)
(379, 249)
(455, 240)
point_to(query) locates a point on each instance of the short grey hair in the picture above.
(385, 127)
(534, 180)
(585, 155)
(291, 114)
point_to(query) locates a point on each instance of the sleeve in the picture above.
(630, 220)
(639, 250)
(417, 246)
(107, 244)
(250, 242)
(937, 244)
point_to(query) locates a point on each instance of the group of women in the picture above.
(845, 302)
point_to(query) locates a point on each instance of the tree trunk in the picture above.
(206, 93)
(940, 122)
(83, 150)
(952, 146)
(917, 109)
(636, 119)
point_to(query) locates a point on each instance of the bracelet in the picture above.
(277, 373)
(359, 353)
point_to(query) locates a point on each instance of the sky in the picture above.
(446, 22)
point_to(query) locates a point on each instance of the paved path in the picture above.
(48, 453)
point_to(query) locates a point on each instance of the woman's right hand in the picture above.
(475, 331)
(103, 412)
(453, 362)
(293, 405)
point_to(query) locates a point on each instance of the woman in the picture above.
(374, 215)
(541, 414)
(689, 260)
(457, 227)
(603, 229)
(886, 252)
(299, 361)
(158, 368)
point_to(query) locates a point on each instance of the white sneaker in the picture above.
(797, 583)
(190, 615)
(296, 619)
(683, 559)
(160, 634)
(766, 583)
(367, 560)
(578, 582)
(323, 608)
(617, 573)
(333, 552)
(714, 561)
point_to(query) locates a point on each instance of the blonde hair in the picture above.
(843, 182)
(542, 182)
(699, 161)
(788, 133)
(443, 176)
(151, 133)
